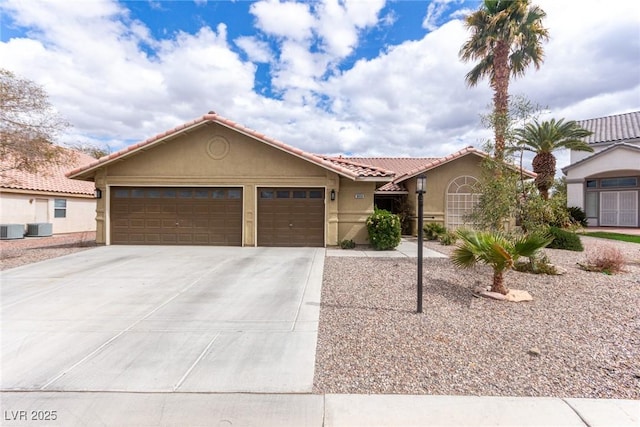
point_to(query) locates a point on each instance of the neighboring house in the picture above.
(212, 181)
(606, 183)
(48, 197)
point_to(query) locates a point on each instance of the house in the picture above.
(212, 181)
(606, 183)
(48, 197)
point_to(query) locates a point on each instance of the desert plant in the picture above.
(539, 263)
(605, 259)
(448, 238)
(384, 230)
(577, 216)
(563, 239)
(433, 230)
(537, 214)
(347, 244)
(496, 250)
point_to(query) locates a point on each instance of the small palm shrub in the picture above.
(577, 216)
(384, 230)
(448, 238)
(605, 259)
(433, 230)
(563, 239)
(496, 250)
(347, 244)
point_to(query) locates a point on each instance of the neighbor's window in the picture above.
(60, 208)
(591, 204)
(618, 182)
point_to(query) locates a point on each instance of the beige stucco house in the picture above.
(606, 183)
(48, 197)
(212, 181)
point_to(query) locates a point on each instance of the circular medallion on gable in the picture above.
(218, 148)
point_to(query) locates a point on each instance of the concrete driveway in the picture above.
(163, 319)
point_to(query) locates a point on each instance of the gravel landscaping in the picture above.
(14, 253)
(579, 337)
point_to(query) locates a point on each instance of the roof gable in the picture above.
(602, 153)
(343, 169)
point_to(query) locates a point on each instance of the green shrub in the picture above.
(384, 229)
(433, 230)
(563, 239)
(537, 264)
(347, 244)
(448, 238)
(577, 216)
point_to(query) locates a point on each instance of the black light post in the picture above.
(421, 188)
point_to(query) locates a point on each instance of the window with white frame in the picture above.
(462, 197)
(60, 208)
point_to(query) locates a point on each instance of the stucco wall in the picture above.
(216, 156)
(17, 208)
(438, 181)
(576, 156)
(621, 160)
(355, 205)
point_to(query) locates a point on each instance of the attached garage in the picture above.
(291, 217)
(176, 216)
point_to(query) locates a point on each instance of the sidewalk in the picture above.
(406, 249)
(300, 410)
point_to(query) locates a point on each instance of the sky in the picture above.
(362, 78)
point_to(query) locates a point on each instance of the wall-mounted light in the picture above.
(421, 184)
(333, 195)
(98, 193)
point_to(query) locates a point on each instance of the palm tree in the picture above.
(545, 138)
(496, 250)
(506, 37)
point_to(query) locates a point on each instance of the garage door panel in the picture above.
(291, 217)
(205, 216)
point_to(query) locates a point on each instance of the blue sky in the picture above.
(367, 77)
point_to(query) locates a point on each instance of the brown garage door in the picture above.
(176, 216)
(290, 217)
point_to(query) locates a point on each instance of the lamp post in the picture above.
(421, 188)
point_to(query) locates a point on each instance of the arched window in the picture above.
(462, 196)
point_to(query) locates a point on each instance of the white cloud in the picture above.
(257, 50)
(283, 19)
(409, 100)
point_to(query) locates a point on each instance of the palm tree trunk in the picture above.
(500, 85)
(498, 283)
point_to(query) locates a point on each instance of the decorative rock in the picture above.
(515, 295)
(493, 295)
(534, 351)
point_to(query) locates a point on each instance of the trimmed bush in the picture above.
(384, 230)
(433, 230)
(448, 238)
(577, 216)
(347, 244)
(563, 239)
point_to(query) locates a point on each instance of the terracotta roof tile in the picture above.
(392, 187)
(50, 179)
(362, 169)
(399, 165)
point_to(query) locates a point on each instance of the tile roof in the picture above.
(399, 165)
(50, 179)
(364, 170)
(621, 127)
(391, 187)
(346, 169)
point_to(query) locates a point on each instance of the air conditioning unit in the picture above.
(11, 231)
(40, 229)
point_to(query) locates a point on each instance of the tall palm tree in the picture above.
(506, 37)
(545, 138)
(496, 250)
